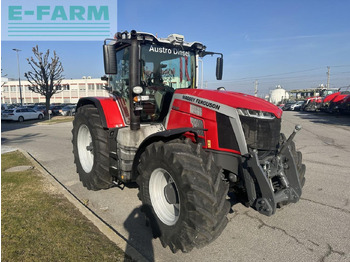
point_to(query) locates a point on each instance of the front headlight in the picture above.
(255, 113)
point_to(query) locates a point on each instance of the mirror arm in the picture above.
(204, 53)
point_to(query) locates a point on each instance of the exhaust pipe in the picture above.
(134, 80)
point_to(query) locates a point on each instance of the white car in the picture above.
(297, 106)
(21, 114)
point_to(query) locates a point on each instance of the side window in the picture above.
(120, 82)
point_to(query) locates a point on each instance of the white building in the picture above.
(278, 95)
(72, 90)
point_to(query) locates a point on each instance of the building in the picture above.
(301, 94)
(71, 91)
(278, 95)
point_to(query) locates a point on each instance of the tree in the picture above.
(3, 77)
(45, 77)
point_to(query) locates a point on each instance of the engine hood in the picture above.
(234, 99)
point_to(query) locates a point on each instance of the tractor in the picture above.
(189, 150)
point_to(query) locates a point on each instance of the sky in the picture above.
(287, 43)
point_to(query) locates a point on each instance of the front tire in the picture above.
(183, 194)
(90, 149)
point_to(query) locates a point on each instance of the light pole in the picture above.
(19, 76)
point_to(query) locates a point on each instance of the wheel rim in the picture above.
(85, 148)
(164, 196)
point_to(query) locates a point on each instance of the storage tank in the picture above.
(278, 95)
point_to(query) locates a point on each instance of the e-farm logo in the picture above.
(58, 20)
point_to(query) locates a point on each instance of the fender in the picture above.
(108, 109)
(162, 136)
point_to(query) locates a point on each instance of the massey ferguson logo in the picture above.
(201, 102)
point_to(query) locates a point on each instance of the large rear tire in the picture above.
(90, 149)
(183, 194)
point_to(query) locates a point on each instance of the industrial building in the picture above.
(71, 91)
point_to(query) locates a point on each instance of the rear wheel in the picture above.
(21, 119)
(40, 116)
(90, 149)
(183, 194)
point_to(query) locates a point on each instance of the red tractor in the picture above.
(315, 103)
(312, 103)
(345, 105)
(332, 103)
(186, 148)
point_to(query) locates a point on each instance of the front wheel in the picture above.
(183, 194)
(90, 149)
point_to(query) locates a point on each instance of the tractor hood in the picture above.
(234, 99)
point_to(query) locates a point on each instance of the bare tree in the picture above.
(46, 76)
(3, 77)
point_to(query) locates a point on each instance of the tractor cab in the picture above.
(144, 71)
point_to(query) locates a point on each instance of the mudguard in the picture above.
(108, 109)
(163, 135)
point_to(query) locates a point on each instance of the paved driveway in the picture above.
(317, 228)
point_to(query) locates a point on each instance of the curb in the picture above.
(100, 224)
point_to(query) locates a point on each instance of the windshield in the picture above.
(171, 67)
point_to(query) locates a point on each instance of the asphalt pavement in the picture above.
(317, 228)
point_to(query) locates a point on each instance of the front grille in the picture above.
(262, 134)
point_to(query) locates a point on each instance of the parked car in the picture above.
(55, 109)
(4, 107)
(40, 108)
(21, 114)
(297, 106)
(29, 106)
(287, 106)
(68, 110)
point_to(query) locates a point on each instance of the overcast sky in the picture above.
(288, 43)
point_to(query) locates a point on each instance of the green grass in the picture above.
(38, 224)
(57, 119)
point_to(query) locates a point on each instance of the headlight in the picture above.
(255, 113)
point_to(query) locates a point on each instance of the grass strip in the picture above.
(38, 224)
(57, 120)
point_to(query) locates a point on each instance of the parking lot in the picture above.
(317, 228)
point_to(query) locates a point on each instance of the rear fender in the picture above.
(108, 109)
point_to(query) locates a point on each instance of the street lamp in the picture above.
(19, 76)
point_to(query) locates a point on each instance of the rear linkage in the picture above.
(288, 175)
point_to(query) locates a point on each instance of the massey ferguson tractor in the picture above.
(186, 148)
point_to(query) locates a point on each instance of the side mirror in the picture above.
(219, 67)
(110, 59)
